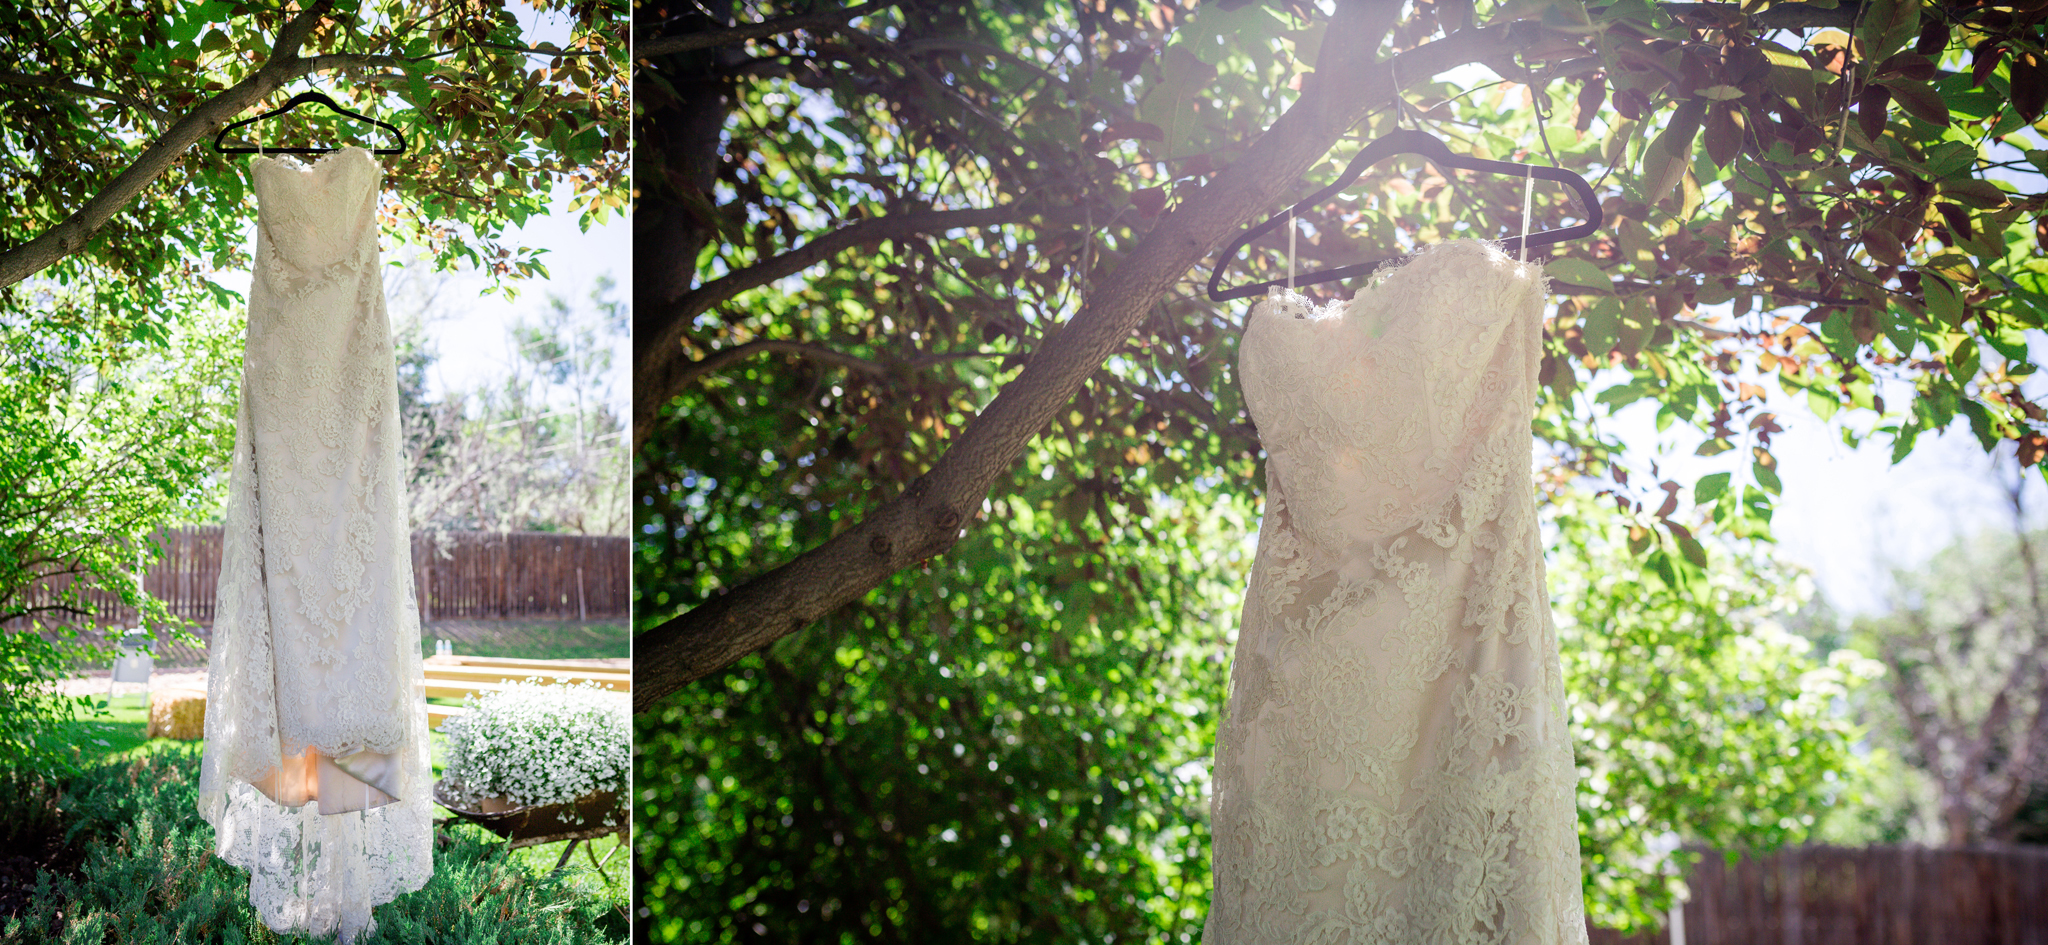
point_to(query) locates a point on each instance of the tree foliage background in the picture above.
(862, 230)
(539, 447)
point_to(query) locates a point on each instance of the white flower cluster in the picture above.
(535, 743)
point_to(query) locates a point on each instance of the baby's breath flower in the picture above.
(534, 743)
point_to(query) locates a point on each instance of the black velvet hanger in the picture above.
(305, 98)
(1406, 141)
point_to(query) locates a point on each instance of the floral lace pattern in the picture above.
(1394, 764)
(315, 641)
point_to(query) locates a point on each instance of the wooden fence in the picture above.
(1877, 895)
(462, 576)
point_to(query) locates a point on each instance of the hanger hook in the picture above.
(1400, 103)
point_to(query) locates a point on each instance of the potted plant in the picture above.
(535, 762)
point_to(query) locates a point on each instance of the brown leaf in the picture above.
(1455, 15)
(1631, 103)
(1591, 93)
(2032, 447)
(2029, 84)
(1129, 61)
(1958, 219)
(1149, 202)
(1983, 60)
(1933, 36)
(1883, 247)
(1742, 65)
(1909, 65)
(1872, 110)
(1694, 71)
(1725, 123)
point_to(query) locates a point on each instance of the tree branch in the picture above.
(1781, 16)
(928, 517)
(71, 235)
(66, 85)
(716, 360)
(660, 368)
(655, 47)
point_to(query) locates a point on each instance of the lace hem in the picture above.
(319, 874)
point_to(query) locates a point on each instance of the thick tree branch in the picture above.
(929, 516)
(660, 368)
(71, 235)
(709, 39)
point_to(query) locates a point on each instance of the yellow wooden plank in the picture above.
(594, 665)
(623, 682)
(437, 714)
(456, 689)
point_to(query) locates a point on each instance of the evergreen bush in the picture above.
(147, 874)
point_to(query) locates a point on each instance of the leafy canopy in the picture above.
(1788, 202)
(494, 125)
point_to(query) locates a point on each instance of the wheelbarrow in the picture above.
(532, 825)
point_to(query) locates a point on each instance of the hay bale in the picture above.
(177, 713)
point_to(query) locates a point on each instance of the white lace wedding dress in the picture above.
(315, 773)
(1394, 765)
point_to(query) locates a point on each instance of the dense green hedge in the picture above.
(147, 874)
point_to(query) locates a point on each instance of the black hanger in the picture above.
(1406, 141)
(304, 98)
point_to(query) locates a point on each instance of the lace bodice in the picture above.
(1394, 765)
(314, 666)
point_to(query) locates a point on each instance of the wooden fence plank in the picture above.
(1877, 895)
(465, 576)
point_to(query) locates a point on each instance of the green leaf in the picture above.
(1710, 487)
(1950, 158)
(1690, 547)
(1667, 157)
(1182, 78)
(1973, 192)
(1963, 363)
(1942, 300)
(1767, 478)
(1215, 30)
(1885, 26)
(1579, 272)
(1822, 405)
(1601, 325)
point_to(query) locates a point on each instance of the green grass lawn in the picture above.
(532, 639)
